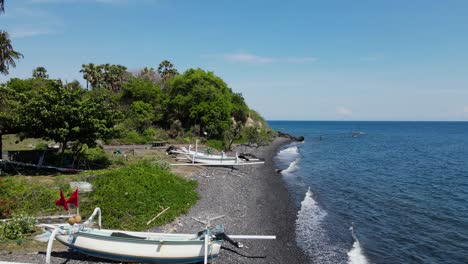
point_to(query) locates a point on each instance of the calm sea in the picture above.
(395, 193)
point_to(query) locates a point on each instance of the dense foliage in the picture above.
(125, 106)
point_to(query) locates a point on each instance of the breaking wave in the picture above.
(293, 166)
(355, 255)
(311, 234)
(289, 154)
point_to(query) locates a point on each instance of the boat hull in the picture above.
(215, 160)
(140, 250)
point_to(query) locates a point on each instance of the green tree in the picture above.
(232, 134)
(201, 98)
(67, 114)
(108, 76)
(149, 74)
(92, 75)
(167, 71)
(143, 89)
(240, 110)
(11, 95)
(256, 136)
(113, 77)
(7, 54)
(8, 116)
(40, 72)
(141, 114)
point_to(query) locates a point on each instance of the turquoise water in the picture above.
(396, 194)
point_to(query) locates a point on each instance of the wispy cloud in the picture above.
(246, 57)
(342, 110)
(88, 1)
(29, 32)
(252, 58)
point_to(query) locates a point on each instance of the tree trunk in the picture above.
(1, 146)
(64, 146)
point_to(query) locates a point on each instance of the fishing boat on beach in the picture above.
(127, 246)
(211, 159)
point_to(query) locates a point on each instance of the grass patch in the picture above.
(215, 144)
(23, 195)
(131, 196)
(12, 142)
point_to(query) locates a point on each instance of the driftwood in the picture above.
(149, 222)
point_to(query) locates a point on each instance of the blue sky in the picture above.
(292, 60)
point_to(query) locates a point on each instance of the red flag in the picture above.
(73, 198)
(62, 201)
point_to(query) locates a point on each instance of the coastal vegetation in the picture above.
(130, 195)
(115, 106)
(119, 106)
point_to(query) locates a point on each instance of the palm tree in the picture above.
(166, 70)
(2, 6)
(7, 54)
(40, 72)
(149, 74)
(92, 74)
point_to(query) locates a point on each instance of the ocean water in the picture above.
(395, 193)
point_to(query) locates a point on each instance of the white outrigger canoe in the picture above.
(210, 159)
(126, 246)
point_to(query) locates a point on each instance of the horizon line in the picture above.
(304, 120)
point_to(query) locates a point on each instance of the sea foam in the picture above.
(311, 234)
(290, 153)
(293, 166)
(355, 255)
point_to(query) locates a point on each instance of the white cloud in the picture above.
(342, 110)
(246, 57)
(252, 58)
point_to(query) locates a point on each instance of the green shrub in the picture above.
(133, 137)
(149, 134)
(41, 146)
(215, 143)
(97, 158)
(131, 196)
(20, 226)
(19, 195)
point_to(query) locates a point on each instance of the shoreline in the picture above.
(254, 200)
